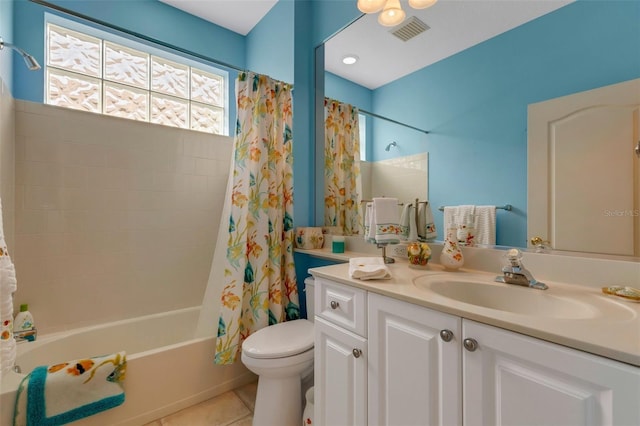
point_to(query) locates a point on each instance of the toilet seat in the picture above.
(280, 340)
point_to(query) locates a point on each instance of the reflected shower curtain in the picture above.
(342, 167)
(259, 277)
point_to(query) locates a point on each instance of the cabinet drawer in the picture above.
(342, 305)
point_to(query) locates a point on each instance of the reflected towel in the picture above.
(482, 217)
(385, 218)
(426, 224)
(368, 268)
(369, 224)
(485, 224)
(70, 391)
(405, 218)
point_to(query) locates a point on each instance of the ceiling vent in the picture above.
(409, 29)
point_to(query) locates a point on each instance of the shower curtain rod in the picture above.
(135, 34)
(361, 111)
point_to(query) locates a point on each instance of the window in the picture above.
(362, 124)
(98, 72)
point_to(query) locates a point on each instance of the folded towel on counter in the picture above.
(385, 220)
(426, 224)
(63, 393)
(368, 268)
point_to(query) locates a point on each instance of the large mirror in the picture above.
(469, 80)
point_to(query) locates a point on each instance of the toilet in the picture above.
(282, 356)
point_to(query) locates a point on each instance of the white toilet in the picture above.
(281, 355)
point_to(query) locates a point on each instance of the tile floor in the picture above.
(233, 408)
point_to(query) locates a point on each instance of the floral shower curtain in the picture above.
(259, 277)
(342, 167)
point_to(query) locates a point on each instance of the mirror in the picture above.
(474, 103)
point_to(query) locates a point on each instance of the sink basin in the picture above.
(553, 303)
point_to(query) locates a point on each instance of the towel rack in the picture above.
(371, 201)
(506, 207)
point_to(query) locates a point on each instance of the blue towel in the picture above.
(63, 393)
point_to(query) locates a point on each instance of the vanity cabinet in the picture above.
(340, 354)
(514, 379)
(416, 366)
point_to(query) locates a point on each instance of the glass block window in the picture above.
(101, 75)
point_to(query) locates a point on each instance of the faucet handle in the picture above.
(514, 256)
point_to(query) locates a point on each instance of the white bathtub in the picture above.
(167, 367)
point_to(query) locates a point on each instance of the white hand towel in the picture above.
(368, 268)
(430, 225)
(482, 217)
(426, 224)
(386, 221)
(454, 215)
(404, 222)
(369, 224)
(413, 226)
(485, 224)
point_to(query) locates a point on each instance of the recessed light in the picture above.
(350, 59)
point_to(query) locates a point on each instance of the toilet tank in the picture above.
(309, 288)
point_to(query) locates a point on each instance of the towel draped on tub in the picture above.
(66, 392)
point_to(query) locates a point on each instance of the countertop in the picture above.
(613, 332)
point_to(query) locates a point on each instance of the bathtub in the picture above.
(168, 369)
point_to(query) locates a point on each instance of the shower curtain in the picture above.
(259, 275)
(342, 167)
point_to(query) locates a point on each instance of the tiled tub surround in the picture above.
(114, 218)
(7, 163)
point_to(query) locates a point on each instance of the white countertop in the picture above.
(613, 333)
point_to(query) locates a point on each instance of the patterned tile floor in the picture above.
(233, 408)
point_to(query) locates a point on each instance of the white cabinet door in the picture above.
(340, 376)
(511, 379)
(414, 375)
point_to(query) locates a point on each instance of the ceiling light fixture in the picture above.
(350, 59)
(392, 13)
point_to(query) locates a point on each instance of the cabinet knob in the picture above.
(470, 344)
(334, 304)
(357, 353)
(446, 335)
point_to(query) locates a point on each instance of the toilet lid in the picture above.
(280, 340)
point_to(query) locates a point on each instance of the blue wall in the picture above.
(270, 43)
(150, 18)
(475, 103)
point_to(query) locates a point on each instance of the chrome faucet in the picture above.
(516, 273)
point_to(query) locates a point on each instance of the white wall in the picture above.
(114, 218)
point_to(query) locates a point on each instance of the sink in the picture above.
(480, 291)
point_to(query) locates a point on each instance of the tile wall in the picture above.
(7, 164)
(114, 218)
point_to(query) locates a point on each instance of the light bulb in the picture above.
(370, 6)
(350, 59)
(421, 4)
(392, 14)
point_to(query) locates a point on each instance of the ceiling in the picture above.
(455, 25)
(239, 16)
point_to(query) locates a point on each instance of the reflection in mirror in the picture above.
(474, 102)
